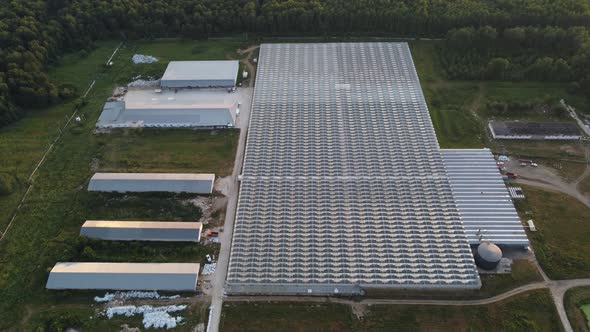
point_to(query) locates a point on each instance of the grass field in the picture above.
(164, 150)
(561, 241)
(577, 306)
(46, 228)
(528, 312)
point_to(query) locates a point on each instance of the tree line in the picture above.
(33, 33)
(519, 53)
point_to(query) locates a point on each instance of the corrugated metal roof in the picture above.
(124, 276)
(152, 268)
(154, 176)
(152, 182)
(143, 224)
(343, 181)
(142, 230)
(179, 108)
(487, 211)
(201, 70)
(181, 99)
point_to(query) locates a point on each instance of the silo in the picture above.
(488, 255)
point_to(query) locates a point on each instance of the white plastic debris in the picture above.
(209, 268)
(133, 295)
(140, 83)
(158, 317)
(140, 58)
(106, 298)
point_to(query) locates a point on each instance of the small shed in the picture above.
(142, 230)
(124, 276)
(152, 182)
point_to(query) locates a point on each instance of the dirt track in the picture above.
(548, 178)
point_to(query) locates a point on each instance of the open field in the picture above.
(574, 299)
(529, 312)
(561, 241)
(46, 228)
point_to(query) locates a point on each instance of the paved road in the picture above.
(232, 195)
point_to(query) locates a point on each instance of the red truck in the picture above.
(511, 175)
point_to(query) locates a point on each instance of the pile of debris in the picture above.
(156, 317)
(209, 268)
(132, 295)
(140, 58)
(140, 83)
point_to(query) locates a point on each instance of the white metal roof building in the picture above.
(124, 276)
(206, 108)
(142, 230)
(343, 184)
(152, 182)
(486, 209)
(180, 74)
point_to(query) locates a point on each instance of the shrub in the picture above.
(6, 184)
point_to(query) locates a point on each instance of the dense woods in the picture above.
(33, 33)
(544, 54)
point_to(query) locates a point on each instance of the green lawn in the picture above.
(529, 312)
(577, 306)
(46, 228)
(561, 241)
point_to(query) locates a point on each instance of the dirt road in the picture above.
(548, 178)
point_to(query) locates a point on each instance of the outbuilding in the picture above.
(200, 74)
(152, 182)
(142, 230)
(124, 276)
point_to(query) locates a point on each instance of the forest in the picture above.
(34, 33)
(520, 53)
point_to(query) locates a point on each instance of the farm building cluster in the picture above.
(344, 187)
(129, 275)
(190, 94)
(196, 94)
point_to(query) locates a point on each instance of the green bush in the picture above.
(59, 321)
(6, 184)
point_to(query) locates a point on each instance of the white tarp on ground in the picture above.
(209, 268)
(140, 58)
(140, 83)
(157, 317)
(132, 295)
